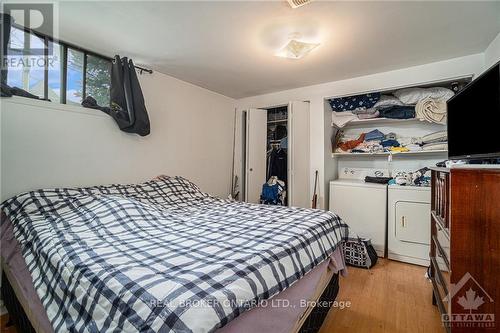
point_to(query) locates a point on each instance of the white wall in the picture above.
(492, 53)
(316, 94)
(47, 144)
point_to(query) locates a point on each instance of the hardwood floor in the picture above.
(391, 297)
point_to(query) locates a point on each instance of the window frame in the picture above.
(64, 70)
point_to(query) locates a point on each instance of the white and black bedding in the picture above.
(162, 256)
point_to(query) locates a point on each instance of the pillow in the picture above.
(414, 95)
(387, 100)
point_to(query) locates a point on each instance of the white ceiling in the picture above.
(229, 47)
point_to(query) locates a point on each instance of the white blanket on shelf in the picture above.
(412, 96)
(431, 110)
(340, 119)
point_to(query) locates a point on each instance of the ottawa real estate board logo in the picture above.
(472, 306)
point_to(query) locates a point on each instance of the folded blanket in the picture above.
(399, 149)
(364, 111)
(413, 147)
(405, 141)
(390, 143)
(374, 135)
(414, 95)
(340, 119)
(435, 146)
(369, 115)
(391, 136)
(398, 112)
(440, 136)
(431, 110)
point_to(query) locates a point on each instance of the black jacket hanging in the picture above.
(127, 101)
(278, 165)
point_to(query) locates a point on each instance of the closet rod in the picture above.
(277, 121)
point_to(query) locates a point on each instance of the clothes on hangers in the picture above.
(278, 165)
(284, 143)
(280, 132)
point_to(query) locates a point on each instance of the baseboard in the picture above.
(380, 251)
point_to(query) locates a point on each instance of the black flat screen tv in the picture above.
(474, 118)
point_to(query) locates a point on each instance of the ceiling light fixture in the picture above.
(296, 49)
(298, 3)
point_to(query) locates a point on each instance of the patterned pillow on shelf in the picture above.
(364, 101)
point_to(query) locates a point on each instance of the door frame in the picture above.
(290, 166)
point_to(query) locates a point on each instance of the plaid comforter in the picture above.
(162, 256)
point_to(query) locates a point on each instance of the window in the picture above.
(74, 77)
(25, 70)
(98, 79)
(55, 72)
(63, 73)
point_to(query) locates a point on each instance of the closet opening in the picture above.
(275, 159)
(274, 191)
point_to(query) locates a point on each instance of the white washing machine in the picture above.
(363, 206)
(409, 224)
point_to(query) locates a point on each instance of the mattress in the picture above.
(106, 257)
(285, 313)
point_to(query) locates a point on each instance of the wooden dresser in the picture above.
(465, 248)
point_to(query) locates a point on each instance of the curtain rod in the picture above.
(73, 46)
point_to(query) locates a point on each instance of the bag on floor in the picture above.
(270, 194)
(360, 253)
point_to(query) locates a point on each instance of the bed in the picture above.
(164, 256)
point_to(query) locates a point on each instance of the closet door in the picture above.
(256, 139)
(298, 155)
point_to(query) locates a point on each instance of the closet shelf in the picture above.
(383, 121)
(277, 121)
(385, 154)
